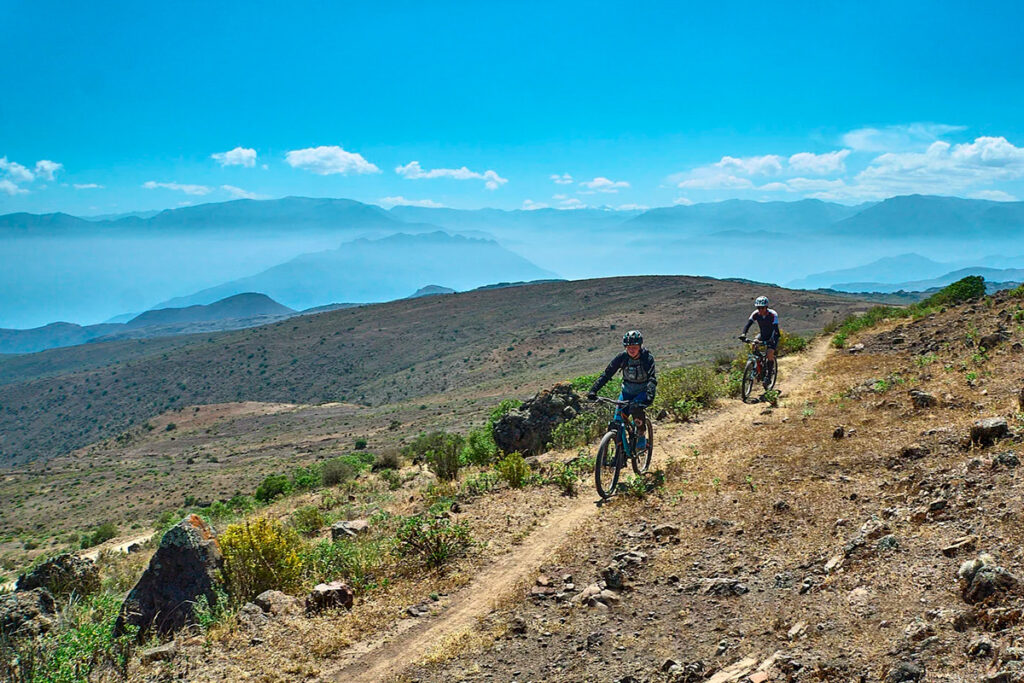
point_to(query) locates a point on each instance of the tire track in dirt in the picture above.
(386, 657)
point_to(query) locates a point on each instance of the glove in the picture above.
(591, 395)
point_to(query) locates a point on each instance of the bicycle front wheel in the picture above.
(606, 469)
(642, 459)
(749, 376)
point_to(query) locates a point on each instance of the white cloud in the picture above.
(560, 197)
(530, 205)
(87, 186)
(413, 171)
(774, 187)
(564, 179)
(15, 171)
(239, 156)
(819, 164)
(631, 207)
(46, 168)
(571, 203)
(7, 187)
(902, 138)
(328, 160)
(993, 195)
(769, 164)
(187, 189)
(601, 184)
(402, 201)
(721, 181)
(682, 201)
(239, 193)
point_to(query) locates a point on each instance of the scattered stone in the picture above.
(781, 506)
(528, 429)
(856, 348)
(905, 672)
(914, 451)
(664, 530)
(1008, 460)
(613, 577)
(989, 430)
(517, 625)
(798, 630)
(962, 544)
(839, 432)
(938, 504)
(63, 575)
(990, 341)
(982, 646)
(184, 567)
(160, 653)
(735, 672)
(718, 586)
(252, 616)
(349, 529)
(26, 613)
(276, 603)
(888, 542)
(328, 595)
(922, 399)
(918, 630)
(981, 578)
(630, 558)
(134, 548)
(594, 639)
(833, 564)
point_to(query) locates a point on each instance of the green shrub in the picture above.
(479, 448)
(272, 487)
(360, 444)
(582, 429)
(392, 478)
(583, 383)
(338, 471)
(307, 478)
(443, 457)
(513, 470)
(791, 343)
(966, 289)
(260, 555)
(567, 479)
(104, 532)
(84, 643)
(308, 520)
(388, 460)
(432, 540)
(479, 484)
(502, 409)
(360, 562)
(682, 392)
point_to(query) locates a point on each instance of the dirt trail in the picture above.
(387, 657)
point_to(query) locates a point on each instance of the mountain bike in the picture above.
(619, 443)
(754, 370)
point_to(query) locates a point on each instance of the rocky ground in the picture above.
(867, 529)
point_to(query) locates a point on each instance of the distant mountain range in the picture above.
(385, 269)
(59, 267)
(911, 273)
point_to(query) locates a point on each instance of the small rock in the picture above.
(613, 577)
(797, 631)
(63, 575)
(982, 646)
(922, 399)
(914, 451)
(1008, 459)
(327, 595)
(905, 672)
(276, 603)
(938, 504)
(161, 653)
(517, 625)
(839, 432)
(888, 542)
(349, 529)
(718, 586)
(780, 506)
(663, 530)
(989, 430)
(833, 564)
(981, 578)
(856, 348)
(26, 613)
(252, 616)
(962, 544)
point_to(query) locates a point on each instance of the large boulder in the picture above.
(26, 613)
(527, 430)
(982, 579)
(182, 569)
(989, 430)
(63, 575)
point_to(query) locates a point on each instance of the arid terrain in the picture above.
(209, 416)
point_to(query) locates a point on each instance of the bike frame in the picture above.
(627, 430)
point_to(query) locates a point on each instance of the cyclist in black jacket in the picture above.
(767, 321)
(639, 380)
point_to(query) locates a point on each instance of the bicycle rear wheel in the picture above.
(642, 459)
(749, 376)
(606, 469)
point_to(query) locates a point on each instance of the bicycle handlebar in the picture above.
(612, 401)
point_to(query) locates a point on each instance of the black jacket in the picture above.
(636, 373)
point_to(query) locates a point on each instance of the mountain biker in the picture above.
(768, 323)
(639, 381)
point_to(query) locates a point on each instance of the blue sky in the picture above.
(124, 106)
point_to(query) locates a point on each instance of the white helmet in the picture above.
(760, 301)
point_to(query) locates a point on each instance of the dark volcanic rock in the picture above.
(527, 430)
(922, 399)
(26, 613)
(328, 595)
(988, 431)
(182, 569)
(63, 575)
(981, 579)
(905, 672)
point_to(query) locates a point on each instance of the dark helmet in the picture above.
(632, 337)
